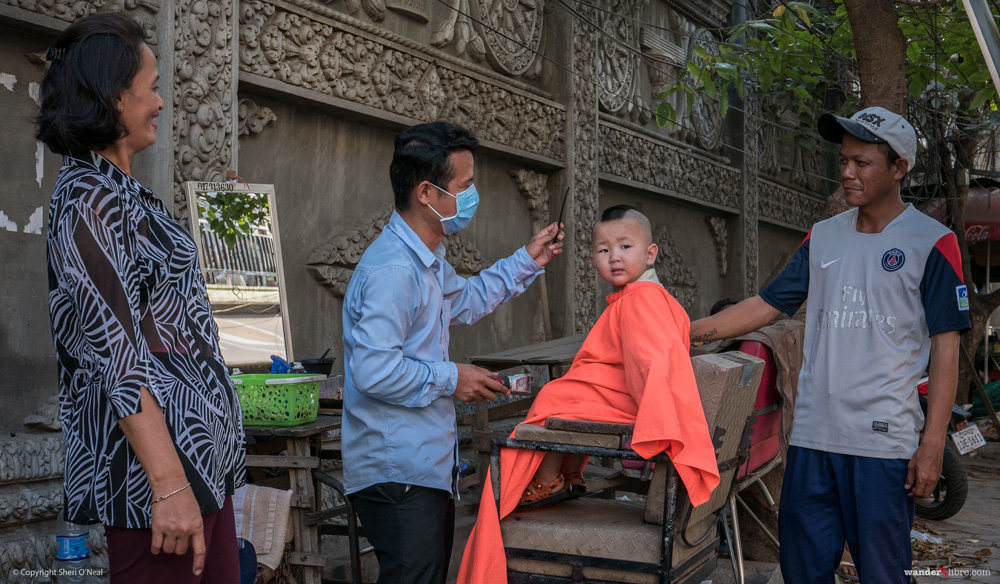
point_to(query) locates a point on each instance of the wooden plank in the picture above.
(588, 427)
(321, 424)
(306, 536)
(303, 559)
(539, 354)
(282, 461)
(503, 410)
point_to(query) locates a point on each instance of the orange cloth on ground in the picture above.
(633, 368)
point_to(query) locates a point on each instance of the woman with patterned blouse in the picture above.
(151, 422)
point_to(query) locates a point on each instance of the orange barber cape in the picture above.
(633, 368)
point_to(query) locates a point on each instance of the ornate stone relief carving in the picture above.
(705, 121)
(664, 60)
(46, 417)
(144, 11)
(30, 502)
(782, 204)
(204, 75)
(457, 29)
(254, 118)
(534, 187)
(616, 55)
(642, 159)
(720, 234)
(707, 13)
(375, 9)
(31, 458)
(783, 159)
(415, 9)
(512, 30)
(673, 270)
(750, 195)
(311, 54)
(332, 262)
(584, 164)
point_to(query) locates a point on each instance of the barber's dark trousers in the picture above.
(411, 529)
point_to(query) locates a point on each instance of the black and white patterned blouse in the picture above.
(129, 309)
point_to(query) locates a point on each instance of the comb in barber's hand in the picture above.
(562, 210)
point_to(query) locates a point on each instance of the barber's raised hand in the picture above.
(474, 384)
(177, 526)
(546, 244)
(924, 470)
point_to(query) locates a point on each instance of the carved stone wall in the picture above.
(320, 54)
(332, 263)
(145, 11)
(787, 207)
(558, 99)
(749, 193)
(31, 498)
(204, 94)
(674, 271)
(645, 160)
(584, 158)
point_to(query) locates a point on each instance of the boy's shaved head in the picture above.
(619, 212)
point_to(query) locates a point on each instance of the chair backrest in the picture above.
(764, 441)
(728, 385)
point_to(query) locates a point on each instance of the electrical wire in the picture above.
(650, 62)
(634, 51)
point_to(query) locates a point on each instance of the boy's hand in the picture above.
(546, 244)
(474, 384)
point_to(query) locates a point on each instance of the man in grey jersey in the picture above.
(886, 301)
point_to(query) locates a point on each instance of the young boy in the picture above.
(633, 368)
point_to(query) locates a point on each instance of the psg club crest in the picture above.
(892, 260)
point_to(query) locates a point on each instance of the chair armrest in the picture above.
(588, 427)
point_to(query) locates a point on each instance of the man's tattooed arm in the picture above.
(704, 336)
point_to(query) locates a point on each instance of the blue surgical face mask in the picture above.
(466, 203)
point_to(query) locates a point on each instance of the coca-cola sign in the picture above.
(976, 232)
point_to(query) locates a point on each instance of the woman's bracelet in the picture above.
(171, 493)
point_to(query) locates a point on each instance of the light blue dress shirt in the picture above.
(399, 414)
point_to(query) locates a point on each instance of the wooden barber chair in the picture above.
(664, 540)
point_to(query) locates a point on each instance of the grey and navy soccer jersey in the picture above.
(874, 302)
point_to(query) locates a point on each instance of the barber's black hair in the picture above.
(422, 154)
(98, 58)
(617, 212)
(718, 306)
(890, 154)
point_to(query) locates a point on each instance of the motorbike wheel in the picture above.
(949, 494)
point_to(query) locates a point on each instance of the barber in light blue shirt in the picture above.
(399, 434)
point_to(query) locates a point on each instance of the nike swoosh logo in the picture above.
(826, 265)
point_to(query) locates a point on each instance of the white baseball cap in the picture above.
(873, 124)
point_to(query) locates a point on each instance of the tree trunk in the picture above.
(881, 51)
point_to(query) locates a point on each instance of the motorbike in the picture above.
(952, 488)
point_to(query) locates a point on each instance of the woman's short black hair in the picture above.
(422, 154)
(94, 62)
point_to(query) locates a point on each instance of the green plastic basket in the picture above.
(278, 400)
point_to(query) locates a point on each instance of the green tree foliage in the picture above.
(232, 215)
(802, 54)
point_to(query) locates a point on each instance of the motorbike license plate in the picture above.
(968, 439)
